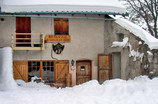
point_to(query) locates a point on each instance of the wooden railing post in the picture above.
(21, 41)
(12, 40)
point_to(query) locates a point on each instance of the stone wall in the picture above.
(131, 66)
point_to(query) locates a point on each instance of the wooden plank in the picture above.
(36, 34)
(57, 38)
(104, 61)
(61, 26)
(104, 67)
(61, 71)
(103, 75)
(28, 48)
(20, 69)
(69, 80)
(28, 39)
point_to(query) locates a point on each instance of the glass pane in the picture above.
(48, 72)
(34, 69)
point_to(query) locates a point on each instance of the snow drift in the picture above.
(141, 90)
(6, 71)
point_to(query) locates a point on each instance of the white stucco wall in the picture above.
(87, 40)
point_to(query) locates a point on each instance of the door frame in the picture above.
(113, 64)
(84, 60)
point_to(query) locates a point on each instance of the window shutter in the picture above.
(23, 24)
(61, 26)
(20, 69)
(65, 26)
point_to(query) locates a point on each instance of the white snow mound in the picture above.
(141, 90)
(6, 71)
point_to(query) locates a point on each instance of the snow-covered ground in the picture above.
(141, 90)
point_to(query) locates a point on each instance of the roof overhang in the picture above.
(21, 7)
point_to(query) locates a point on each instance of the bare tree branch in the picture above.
(148, 11)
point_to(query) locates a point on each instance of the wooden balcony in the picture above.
(27, 41)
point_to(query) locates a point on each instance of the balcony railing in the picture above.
(27, 41)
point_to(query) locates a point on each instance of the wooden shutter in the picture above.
(61, 26)
(61, 71)
(23, 25)
(65, 26)
(104, 67)
(20, 69)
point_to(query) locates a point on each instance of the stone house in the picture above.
(66, 44)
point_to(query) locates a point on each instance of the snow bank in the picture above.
(22, 83)
(141, 90)
(6, 71)
(151, 41)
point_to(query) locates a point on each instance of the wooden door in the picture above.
(104, 67)
(20, 70)
(61, 71)
(23, 25)
(83, 71)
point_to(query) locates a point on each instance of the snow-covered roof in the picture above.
(68, 6)
(151, 41)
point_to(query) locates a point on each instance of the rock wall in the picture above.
(134, 56)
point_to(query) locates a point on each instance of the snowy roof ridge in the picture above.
(151, 41)
(113, 6)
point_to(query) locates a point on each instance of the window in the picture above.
(120, 37)
(23, 27)
(61, 26)
(33, 69)
(48, 71)
(43, 69)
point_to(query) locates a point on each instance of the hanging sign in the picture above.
(57, 38)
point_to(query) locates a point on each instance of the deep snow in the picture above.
(6, 76)
(141, 90)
